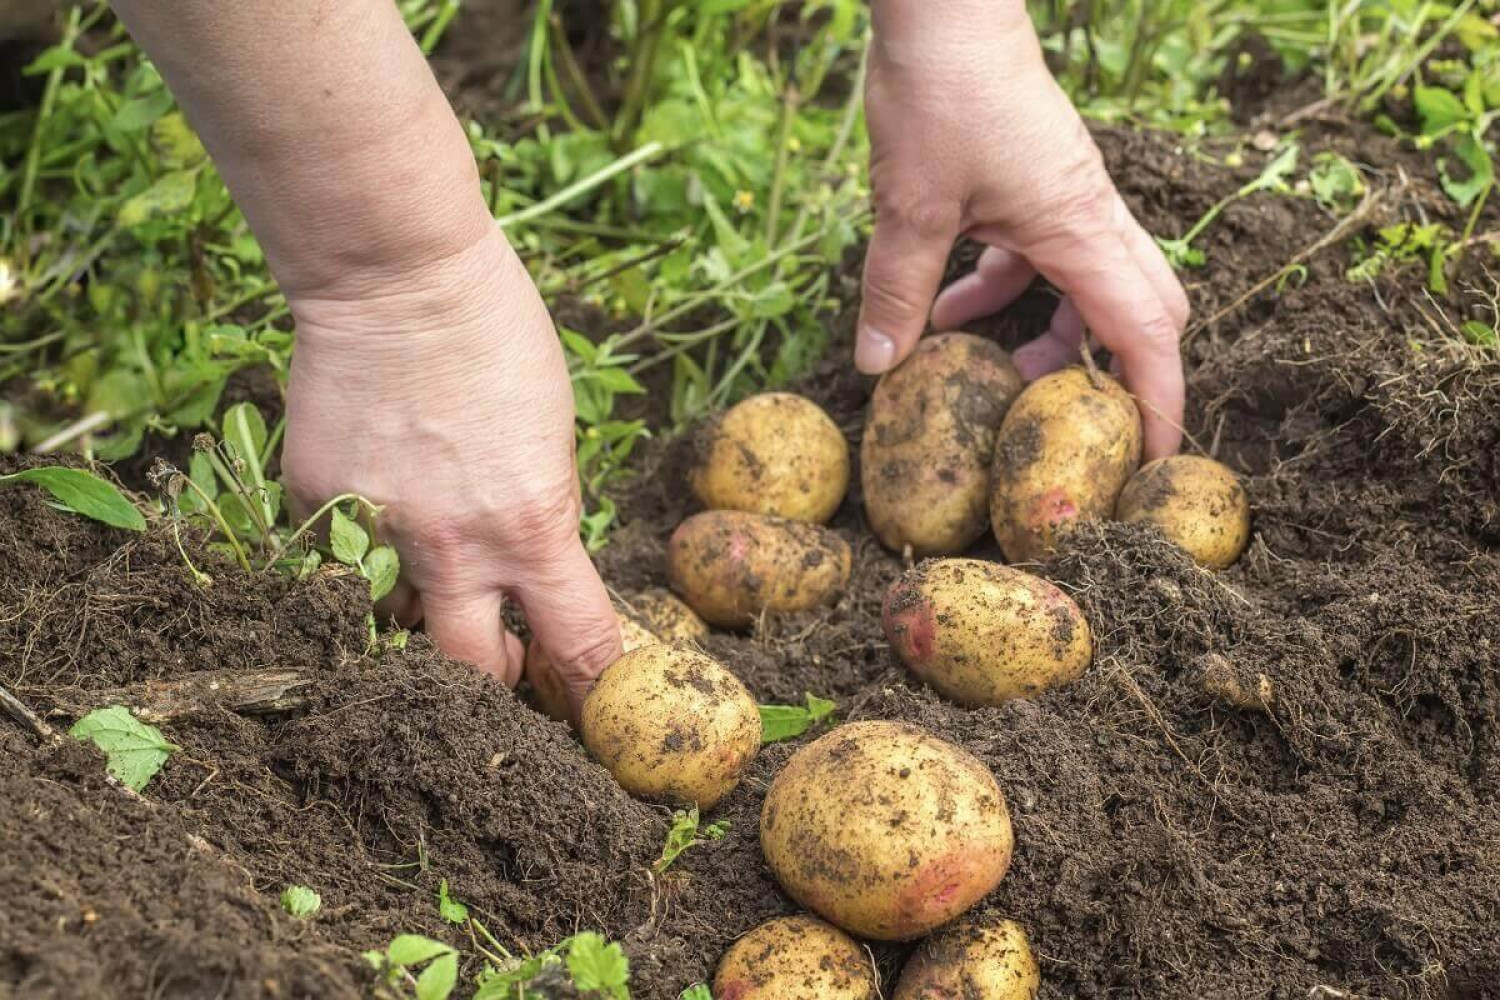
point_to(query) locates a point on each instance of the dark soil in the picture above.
(1340, 838)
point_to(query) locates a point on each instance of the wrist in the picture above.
(905, 32)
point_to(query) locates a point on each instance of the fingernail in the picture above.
(874, 352)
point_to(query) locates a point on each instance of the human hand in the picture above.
(971, 136)
(442, 393)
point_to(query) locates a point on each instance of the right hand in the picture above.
(441, 392)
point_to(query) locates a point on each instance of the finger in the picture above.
(997, 280)
(470, 627)
(1057, 348)
(1153, 263)
(570, 612)
(903, 269)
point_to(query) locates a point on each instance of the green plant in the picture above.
(587, 960)
(300, 902)
(134, 751)
(79, 491)
(407, 952)
(697, 991)
(686, 832)
(783, 722)
(1181, 252)
(450, 909)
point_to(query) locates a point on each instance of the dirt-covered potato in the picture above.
(929, 440)
(796, 958)
(730, 565)
(672, 725)
(1196, 502)
(974, 959)
(886, 830)
(548, 692)
(667, 617)
(1064, 452)
(982, 633)
(776, 453)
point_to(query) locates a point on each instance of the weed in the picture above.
(300, 902)
(1181, 252)
(407, 952)
(134, 750)
(450, 909)
(587, 960)
(783, 722)
(685, 832)
(79, 491)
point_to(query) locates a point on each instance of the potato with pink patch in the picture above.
(885, 830)
(1065, 450)
(732, 566)
(975, 959)
(982, 634)
(796, 958)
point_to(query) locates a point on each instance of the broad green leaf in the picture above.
(381, 568)
(84, 493)
(301, 902)
(618, 380)
(172, 193)
(437, 980)
(449, 908)
(597, 965)
(783, 722)
(1439, 109)
(1481, 171)
(140, 112)
(57, 57)
(347, 539)
(135, 751)
(245, 433)
(413, 949)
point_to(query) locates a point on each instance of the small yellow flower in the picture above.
(10, 287)
(794, 144)
(744, 200)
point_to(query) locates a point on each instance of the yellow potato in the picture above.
(671, 725)
(1196, 502)
(885, 830)
(730, 566)
(796, 958)
(776, 453)
(972, 960)
(549, 693)
(982, 633)
(666, 616)
(1064, 453)
(929, 440)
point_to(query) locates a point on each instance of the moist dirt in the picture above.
(1333, 833)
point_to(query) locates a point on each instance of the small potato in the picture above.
(1064, 453)
(549, 694)
(885, 830)
(929, 441)
(1196, 502)
(972, 960)
(796, 958)
(666, 616)
(730, 566)
(982, 633)
(776, 453)
(671, 725)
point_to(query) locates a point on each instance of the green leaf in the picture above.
(82, 492)
(449, 908)
(301, 902)
(140, 112)
(1472, 154)
(1482, 334)
(135, 750)
(697, 991)
(783, 722)
(597, 965)
(172, 193)
(176, 142)
(347, 539)
(1439, 109)
(382, 566)
(437, 980)
(1335, 182)
(413, 949)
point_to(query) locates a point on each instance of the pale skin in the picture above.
(428, 375)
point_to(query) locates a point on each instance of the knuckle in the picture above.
(892, 297)
(918, 212)
(543, 518)
(595, 646)
(1160, 332)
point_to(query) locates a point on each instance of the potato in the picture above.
(886, 830)
(982, 633)
(671, 725)
(549, 694)
(929, 440)
(730, 566)
(974, 959)
(796, 958)
(1064, 452)
(776, 453)
(1196, 502)
(667, 617)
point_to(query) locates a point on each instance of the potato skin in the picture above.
(885, 830)
(929, 441)
(795, 958)
(730, 565)
(982, 633)
(975, 960)
(671, 725)
(775, 453)
(664, 613)
(549, 694)
(1196, 502)
(1064, 453)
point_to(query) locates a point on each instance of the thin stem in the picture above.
(575, 75)
(778, 179)
(44, 112)
(647, 152)
(317, 516)
(73, 432)
(218, 516)
(846, 130)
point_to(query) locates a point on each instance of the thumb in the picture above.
(570, 612)
(903, 269)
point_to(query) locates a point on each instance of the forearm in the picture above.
(329, 129)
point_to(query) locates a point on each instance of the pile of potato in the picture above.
(880, 829)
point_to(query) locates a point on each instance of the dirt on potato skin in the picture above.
(1168, 845)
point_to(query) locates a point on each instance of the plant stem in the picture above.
(575, 75)
(218, 516)
(778, 179)
(34, 151)
(74, 431)
(647, 152)
(317, 516)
